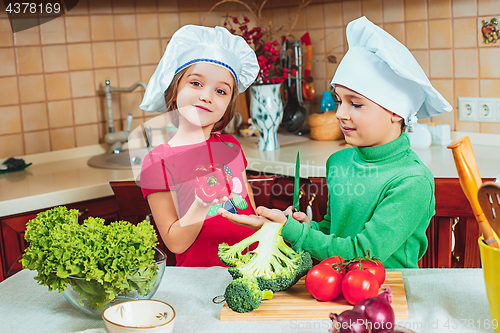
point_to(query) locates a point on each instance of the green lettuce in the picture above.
(113, 259)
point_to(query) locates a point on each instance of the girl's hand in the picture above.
(255, 221)
(299, 216)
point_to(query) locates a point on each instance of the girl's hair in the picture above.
(171, 94)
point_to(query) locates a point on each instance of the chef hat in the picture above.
(193, 44)
(383, 70)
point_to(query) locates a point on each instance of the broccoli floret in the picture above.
(273, 263)
(244, 294)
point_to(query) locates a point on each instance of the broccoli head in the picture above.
(244, 294)
(273, 263)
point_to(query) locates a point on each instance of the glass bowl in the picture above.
(86, 306)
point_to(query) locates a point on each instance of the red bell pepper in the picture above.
(212, 182)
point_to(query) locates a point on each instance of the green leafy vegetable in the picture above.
(110, 259)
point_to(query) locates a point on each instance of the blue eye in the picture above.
(222, 92)
(196, 83)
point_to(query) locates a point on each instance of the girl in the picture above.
(198, 171)
(381, 196)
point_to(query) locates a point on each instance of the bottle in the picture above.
(327, 102)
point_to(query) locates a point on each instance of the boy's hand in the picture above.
(299, 216)
(255, 221)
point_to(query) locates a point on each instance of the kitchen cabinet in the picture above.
(12, 228)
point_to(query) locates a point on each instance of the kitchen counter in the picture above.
(63, 177)
(439, 300)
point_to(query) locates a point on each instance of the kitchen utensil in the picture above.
(490, 261)
(296, 204)
(468, 174)
(297, 118)
(297, 304)
(489, 199)
(291, 100)
(308, 87)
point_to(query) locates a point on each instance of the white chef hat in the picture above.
(383, 70)
(193, 44)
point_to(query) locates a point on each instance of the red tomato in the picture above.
(324, 283)
(334, 262)
(359, 284)
(376, 269)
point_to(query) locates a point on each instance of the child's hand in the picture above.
(299, 216)
(255, 221)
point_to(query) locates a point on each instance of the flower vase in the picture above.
(266, 111)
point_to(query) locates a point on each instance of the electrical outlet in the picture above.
(486, 110)
(497, 111)
(467, 109)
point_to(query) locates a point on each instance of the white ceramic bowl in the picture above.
(142, 315)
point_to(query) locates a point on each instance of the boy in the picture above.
(381, 196)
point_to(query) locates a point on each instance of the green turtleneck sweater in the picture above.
(380, 199)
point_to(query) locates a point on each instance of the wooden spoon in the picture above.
(489, 199)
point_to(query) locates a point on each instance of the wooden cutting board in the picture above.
(297, 303)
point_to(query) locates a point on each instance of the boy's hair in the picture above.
(171, 94)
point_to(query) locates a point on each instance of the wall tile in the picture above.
(439, 9)
(82, 84)
(29, 60)
(186, 18)
(7, 62)
(299, 24)
(11, 145)
(415, 10)
(334, 41)
(53, 32)
(416, 35)
(124, 7)
(60, 113)
(146, 6)
(9, 92)
(350, 10)
(332, 67)
(212, 19)
(488, 63)
(168, 5)
(34, 116)
(147, 25)
(492, 128)
(100, 6)
(127, 53)
(58, 86)
(129, 103)
(85, 110)
(6, 35)
(466, 88)
(87, 135)
(318, 69)
(280, 17)
(440, 34)
(488, 7)
(489, 88)
(55, 58)
(125, 27)
(467, 126)
(465, 32)
(149, 51)
(397, 30)
(146, 72)
(37, 142)
(62, 138)
(441, 63)
(463, 8)
(82, 8)
(445, 88)
(101, 27)
(314, 16)
(100, 76)
(77, 29)
(80, 56)
(393, 10)
(32, 88)
(127, 76)
(11, 120)
(333, 14)
(466, 63)
(317, 42)
(104, 54)
(422, 57)
(27, 37)
(372, 9)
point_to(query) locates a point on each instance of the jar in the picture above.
(327, 102)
